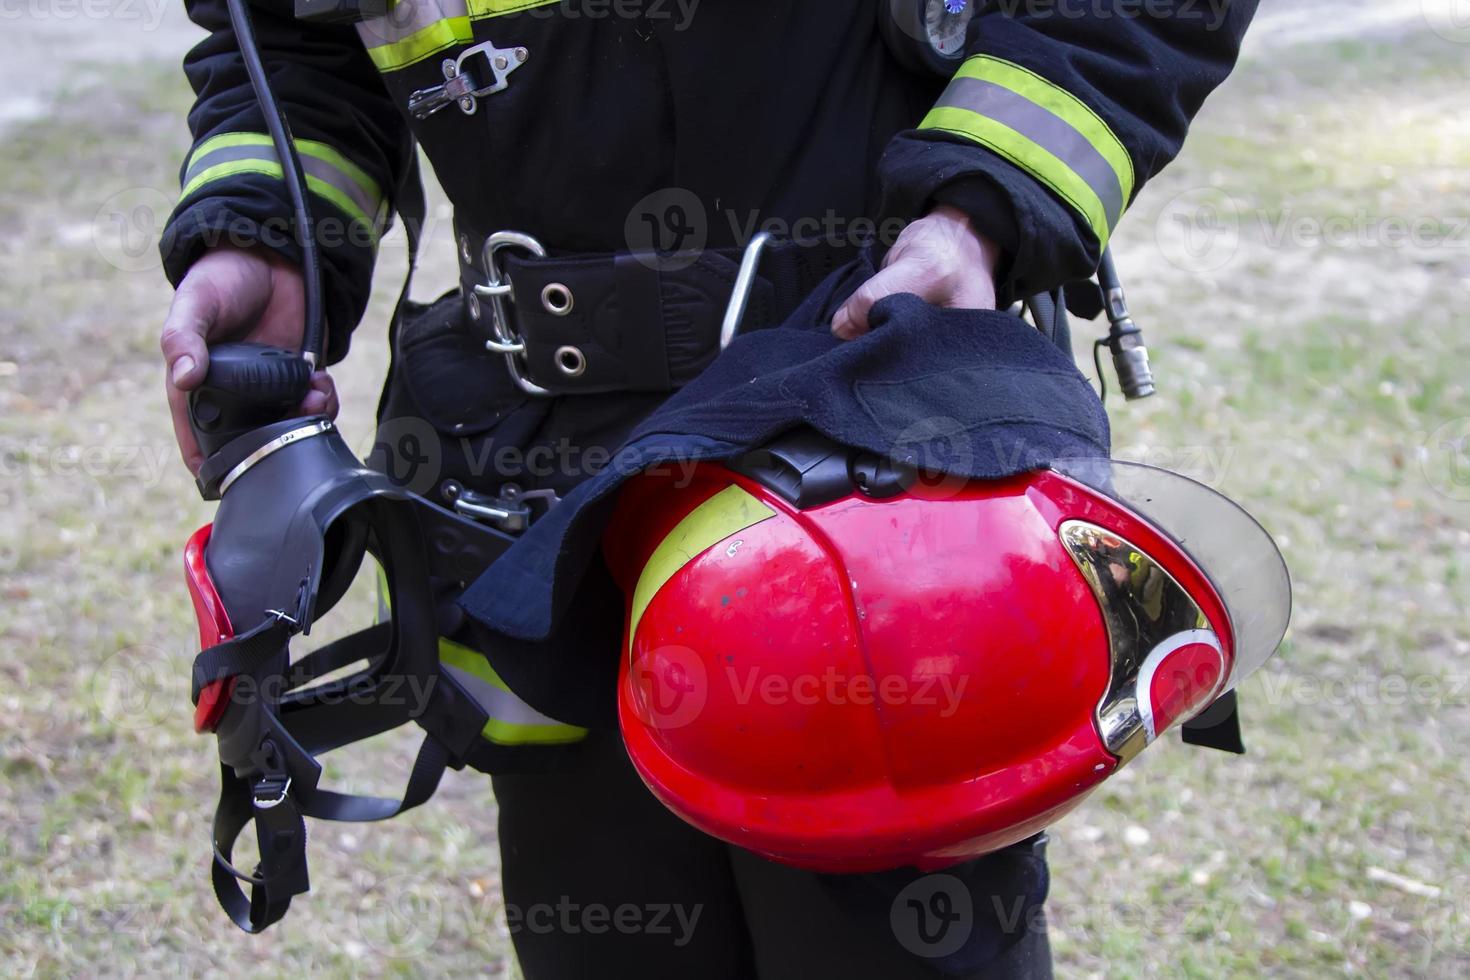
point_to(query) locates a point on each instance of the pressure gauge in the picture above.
(928, 35)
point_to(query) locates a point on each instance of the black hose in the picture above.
(295, 177)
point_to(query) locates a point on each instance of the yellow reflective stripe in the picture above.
(498, 730)
(503, 731)
(512, 733)
(339, 197)
(336, 178)
(330, 155)
(227, 140)
(1059, 101)
(419, 45)
(482, 9)
(1043, 129)
(471, 662)
(223, 170)
(390, 54)
(728, 512)
(1027, 155)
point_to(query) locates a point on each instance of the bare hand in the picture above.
(233, 294)
(940, 258)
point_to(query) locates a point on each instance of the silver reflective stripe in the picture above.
(1044, 128)
(313, 166)
(408, 17)
(499, 704)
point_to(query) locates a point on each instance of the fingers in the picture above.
(178, 407)
(898, 276)
(940, 258)
(322, 399)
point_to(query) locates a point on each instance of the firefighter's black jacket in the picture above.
(784, 113)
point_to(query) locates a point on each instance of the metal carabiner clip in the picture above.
(462, 86)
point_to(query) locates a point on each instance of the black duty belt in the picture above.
(581, 324)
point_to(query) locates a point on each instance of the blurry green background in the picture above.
(1302, 274)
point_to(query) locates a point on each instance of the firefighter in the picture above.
(608, 163)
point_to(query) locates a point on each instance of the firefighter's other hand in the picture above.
(940, 258)
(233, 294)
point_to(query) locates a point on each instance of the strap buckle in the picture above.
(494, 291)
(510, 512)
(462, 86)
(271, 792)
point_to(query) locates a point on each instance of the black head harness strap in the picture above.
(298, 513)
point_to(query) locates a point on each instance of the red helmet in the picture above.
(846, 667)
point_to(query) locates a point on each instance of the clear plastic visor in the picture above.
(1229, 545)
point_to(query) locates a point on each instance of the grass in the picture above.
(1307, 380)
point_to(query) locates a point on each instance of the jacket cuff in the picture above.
(1023, 157)
(246, 207)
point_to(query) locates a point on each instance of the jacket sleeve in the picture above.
(1058, 116)
(354, 146)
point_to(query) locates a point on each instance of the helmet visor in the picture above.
(1228, 545)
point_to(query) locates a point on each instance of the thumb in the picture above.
(851, 320)
(190, 319)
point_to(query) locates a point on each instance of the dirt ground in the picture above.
(1301, 272)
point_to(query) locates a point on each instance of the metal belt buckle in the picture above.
(462, 86)
(494, 291)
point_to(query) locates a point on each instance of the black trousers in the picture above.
(601, 880)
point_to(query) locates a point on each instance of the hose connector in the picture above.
(1125, 339)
